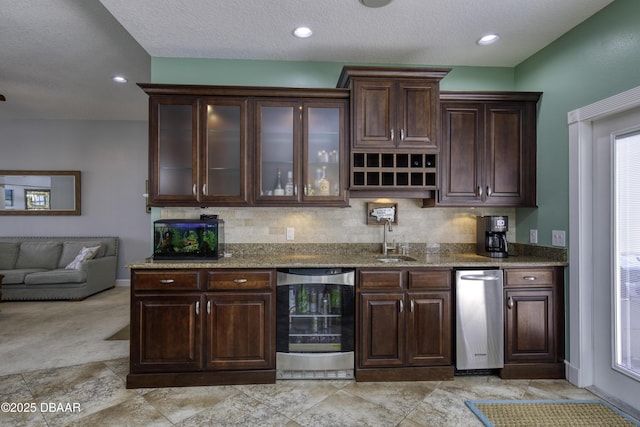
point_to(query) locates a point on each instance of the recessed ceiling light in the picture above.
(302, 32)
(488, 39)
(375, 3)
(119, 79)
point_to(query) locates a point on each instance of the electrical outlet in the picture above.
(558, 238)
(290, 233)
(533, 236)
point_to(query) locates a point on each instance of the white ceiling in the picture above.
(57, 56)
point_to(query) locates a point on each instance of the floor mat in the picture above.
(496, 413)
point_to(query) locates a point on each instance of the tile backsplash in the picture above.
(346, 225)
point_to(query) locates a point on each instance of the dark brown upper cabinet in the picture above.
(225, 145)
(488, 155)
(301, 152)
(395, 122)
(393, 107)
(197, 151)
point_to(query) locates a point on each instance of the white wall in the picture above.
(112, 158)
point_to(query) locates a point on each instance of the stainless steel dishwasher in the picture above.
(479, 320)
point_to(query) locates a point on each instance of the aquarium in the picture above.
(189, 239)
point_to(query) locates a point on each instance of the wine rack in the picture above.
(415, 171)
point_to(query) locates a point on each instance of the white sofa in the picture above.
(38, 268)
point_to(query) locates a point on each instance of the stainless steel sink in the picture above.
(396, 258)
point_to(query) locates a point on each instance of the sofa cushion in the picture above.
(71, 248)
(39, 255)
(56, 276)
(8, 255)
(84, 255)
(15, 277)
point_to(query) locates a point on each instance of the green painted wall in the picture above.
(304, 74)
(597, 59)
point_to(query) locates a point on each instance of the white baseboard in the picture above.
(123, 282)
(572, 374)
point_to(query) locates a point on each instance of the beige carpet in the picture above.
(51, 334)
(549, 413)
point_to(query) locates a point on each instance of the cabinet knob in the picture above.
(412, 305)
(209, 307)
(479, 191)
(510, 303)
(167, 281)
(204, 189)
(197, 308)
(401, 134)
(489, 191)
(401, 306)
(392, 135)
(193, 189)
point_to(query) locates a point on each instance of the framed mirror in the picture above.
(40, 192)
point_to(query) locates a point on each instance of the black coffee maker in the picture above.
(492, 236)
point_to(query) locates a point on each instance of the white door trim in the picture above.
(579, 367)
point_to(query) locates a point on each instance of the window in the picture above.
(627, 253)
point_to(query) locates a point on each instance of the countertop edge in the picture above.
(358, 261)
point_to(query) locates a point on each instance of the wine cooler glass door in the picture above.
(315, 323)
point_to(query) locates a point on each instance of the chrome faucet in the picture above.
(385, 246)
(387, 214)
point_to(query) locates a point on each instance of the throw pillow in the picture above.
(84, 255)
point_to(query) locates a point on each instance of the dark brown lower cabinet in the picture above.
(238, 331)
(381, 330)
(534, 323)
(429, 329)
(202, 327)
(404, 325)
(166, 331)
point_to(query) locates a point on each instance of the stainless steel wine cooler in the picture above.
(315, 323)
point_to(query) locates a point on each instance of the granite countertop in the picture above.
(363, 255)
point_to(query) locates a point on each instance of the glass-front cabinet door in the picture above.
(224, 155)
(278, 124)
(301, 147)
(199, 151)
(174, 136)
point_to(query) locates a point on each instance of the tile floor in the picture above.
(94, 394)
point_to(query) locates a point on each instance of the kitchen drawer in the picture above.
(530, 278)
(240, 279)
(180, 280)
(375, 279)
(430, 279)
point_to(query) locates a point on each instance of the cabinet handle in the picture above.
(295, 189)
(529, 277)
(392, 135)
(197, 308)
(209, 307)
(167, 281)
(240, 280)
(193, 189)
(489, 191)
(401, 134)
(204, 189)
(479, 191)
(412, 305)
(401, 306)
(509, 303)
(305, 191)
